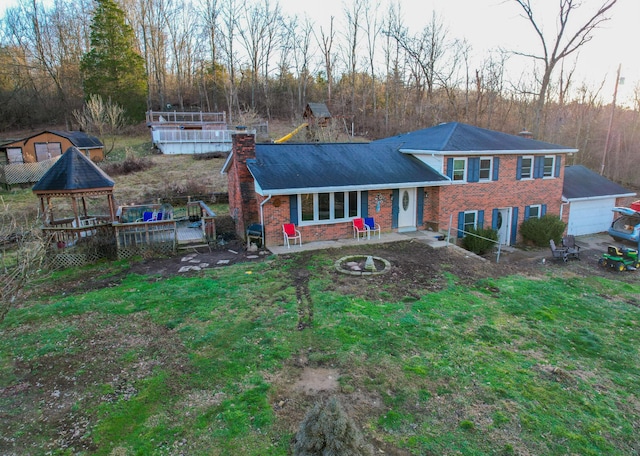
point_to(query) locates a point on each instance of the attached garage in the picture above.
(590, 216)
(590, 198)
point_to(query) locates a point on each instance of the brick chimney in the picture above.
(243, 205)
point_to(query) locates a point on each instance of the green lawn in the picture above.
(205, 364)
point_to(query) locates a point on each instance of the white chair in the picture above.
(290, 233)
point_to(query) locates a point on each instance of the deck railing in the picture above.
(191, 136)
(160, 117)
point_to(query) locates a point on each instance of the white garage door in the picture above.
(588, 217)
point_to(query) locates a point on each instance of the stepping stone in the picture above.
(252, 257)
(223, 262)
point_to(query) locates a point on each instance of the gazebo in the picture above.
(75, 178)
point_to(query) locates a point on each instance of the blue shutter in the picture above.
(514, 226)
(480, 221)
(558, 164)
(543, 210)
(364, 204)
(473, 173)
(527, 210)
(538, 167)
(519, 169)
(420, 212)
(450, 168)
(460, 224)
(496, 168)
(293, 209)
(395, 208)
(494, 219)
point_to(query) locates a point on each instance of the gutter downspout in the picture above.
(562, 205)
(264, 241)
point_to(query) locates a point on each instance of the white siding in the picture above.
(590, 216)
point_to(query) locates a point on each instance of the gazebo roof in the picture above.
(73, 172)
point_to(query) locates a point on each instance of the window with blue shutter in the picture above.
(558, 164)
(496, 168)
(538, 167)
(364, 204)
(473, 173)
(293, 209)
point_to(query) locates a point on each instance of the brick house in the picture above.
(452, 176)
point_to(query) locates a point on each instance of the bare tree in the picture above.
(373, 30)
(325, 42)
(556, 47)
(229, 28)
(101, 118)
(22, 256)
(353, 14)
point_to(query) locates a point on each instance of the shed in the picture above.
(590, 198)
(317, 114)
(49, 144)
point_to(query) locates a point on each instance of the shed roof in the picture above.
(73, 171)
(298, 168)
(455, 137)
(582, 183)
(319, 110)
(79, 139)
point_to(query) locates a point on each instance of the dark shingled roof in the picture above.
(282, 167)
(319, 110)
(459, 137)
(73, 171)
(79, 139)
(581, 182)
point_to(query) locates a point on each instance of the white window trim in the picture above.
(487, 179)
(464, 173)
(553, 167)
(539, 206)
(331, 220)
(475, 221)
(527, 157)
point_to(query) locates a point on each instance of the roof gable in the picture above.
(79, 139)
(581, 182)
(291, 168)
(73, 171)
(458, 137)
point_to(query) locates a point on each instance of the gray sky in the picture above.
(490, 24)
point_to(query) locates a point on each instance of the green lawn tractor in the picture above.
(620, 259)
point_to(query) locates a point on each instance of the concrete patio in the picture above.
(428, 237)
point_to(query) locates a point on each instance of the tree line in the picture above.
(375, 74)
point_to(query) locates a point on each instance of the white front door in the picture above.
(407, 209)
(503, 225)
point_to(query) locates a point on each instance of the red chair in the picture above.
(359, 228)
(290, 233)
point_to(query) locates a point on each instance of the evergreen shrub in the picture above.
(480, 245)
(540, 230)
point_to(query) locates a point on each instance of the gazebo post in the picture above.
(74, 208)
(84, 207)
